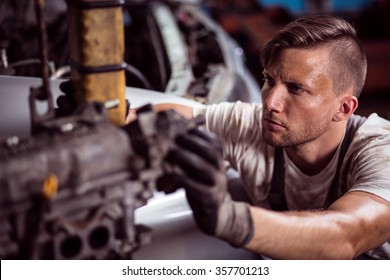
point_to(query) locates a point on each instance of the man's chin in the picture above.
(273, 141)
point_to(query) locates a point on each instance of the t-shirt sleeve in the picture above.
(233, 123)
(238, 126)
(370, 161)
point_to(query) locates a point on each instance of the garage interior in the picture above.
(250, 23)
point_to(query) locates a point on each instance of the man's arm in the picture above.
(354, 224)
(184, 110)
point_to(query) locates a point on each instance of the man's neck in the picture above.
(312, 157)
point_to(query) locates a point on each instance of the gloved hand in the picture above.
(203, 176)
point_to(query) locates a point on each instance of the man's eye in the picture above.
(294, 88)
(268, 81)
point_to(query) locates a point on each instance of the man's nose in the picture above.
(274, 99)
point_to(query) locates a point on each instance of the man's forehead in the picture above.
(300, 59)
(307, 67)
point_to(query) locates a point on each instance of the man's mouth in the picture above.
(274, 124)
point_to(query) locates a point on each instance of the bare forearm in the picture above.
(185, 111)
(353, 224)
(301, 235)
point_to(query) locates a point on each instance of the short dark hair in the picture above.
(346, 50)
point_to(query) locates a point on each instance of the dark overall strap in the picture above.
(277, 198)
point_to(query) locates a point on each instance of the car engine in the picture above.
(70, 190)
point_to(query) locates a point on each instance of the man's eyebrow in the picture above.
(290, 80)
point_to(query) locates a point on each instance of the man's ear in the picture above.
(347, 106)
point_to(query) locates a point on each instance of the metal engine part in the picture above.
(70, 191)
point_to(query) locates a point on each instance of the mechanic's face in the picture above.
(298, 99)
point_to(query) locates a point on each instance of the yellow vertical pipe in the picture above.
(96, 41)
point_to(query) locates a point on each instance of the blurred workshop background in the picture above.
(252, 22)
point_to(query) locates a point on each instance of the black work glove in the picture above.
(203, 175)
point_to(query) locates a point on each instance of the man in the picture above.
(318, 177)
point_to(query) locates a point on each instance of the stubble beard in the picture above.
(306, 133)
